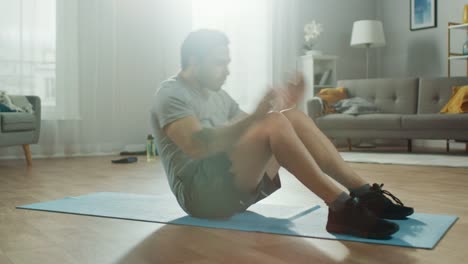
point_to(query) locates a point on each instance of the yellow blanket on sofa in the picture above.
(458, 103)
(330, 96)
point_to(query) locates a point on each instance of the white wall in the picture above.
(337, 17)
(419, 53)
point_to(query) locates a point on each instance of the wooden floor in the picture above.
(46, 238)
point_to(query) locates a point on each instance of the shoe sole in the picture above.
(403, 217)
(339, 229)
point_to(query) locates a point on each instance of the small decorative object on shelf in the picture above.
(465, 21)
(465, 14)
(465, 47)
(312, 31)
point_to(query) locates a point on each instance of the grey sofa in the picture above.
(409, 110)
(21, 128)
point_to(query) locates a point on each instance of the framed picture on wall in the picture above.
(423, 14)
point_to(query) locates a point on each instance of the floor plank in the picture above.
(41, 237)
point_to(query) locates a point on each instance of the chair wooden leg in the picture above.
(350, 147)
(410, 146)
(466, 147)
(447, 145)
(27, 154)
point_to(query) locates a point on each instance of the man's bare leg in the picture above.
(323, 151)
(333, 164)
(275, 137)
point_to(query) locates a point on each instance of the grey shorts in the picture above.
(212, 193)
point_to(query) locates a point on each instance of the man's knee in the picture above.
(292, 114)
(276, 120)
(296, 116)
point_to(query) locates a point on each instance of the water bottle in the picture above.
(150, 149)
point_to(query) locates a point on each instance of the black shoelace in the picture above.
(378, 188)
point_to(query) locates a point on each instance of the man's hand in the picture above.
(292, 93)
(266, 104)
(296, 89)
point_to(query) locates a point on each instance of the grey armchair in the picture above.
(21, 128)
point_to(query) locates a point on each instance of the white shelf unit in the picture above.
(458, 57)
(319, 72)
(452, 56)
(457, 26)
(455, 56)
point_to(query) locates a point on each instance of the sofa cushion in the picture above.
(435, 93)
(397, 96)
(12, 122)
(368, 121)
(435, 121)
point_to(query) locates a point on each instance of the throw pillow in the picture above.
(5, 108)
(458, 102)
(330, 96)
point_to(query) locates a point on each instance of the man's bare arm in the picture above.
(241, 115)
(213, 140)
(199, 142)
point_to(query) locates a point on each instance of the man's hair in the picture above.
(199, 43)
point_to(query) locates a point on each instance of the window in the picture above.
(27, 48)
(39, 53)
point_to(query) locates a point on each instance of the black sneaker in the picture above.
(355, 219)
(376, 201)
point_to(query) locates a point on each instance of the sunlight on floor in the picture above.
(335, 251)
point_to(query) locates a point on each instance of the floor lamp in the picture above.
(367, 34)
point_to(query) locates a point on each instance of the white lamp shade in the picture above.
(367, 33)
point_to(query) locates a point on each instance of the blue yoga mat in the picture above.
(419, 231)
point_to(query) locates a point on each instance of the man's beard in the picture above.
(214, 86)
(210, 83)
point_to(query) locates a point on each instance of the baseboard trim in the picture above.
(60, 155)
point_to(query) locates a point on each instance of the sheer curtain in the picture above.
(67, 74)
(263, 42)
(287, 38)
(31, 62)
